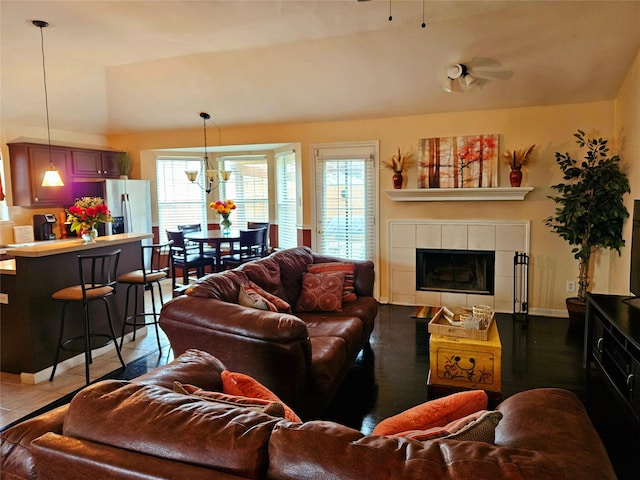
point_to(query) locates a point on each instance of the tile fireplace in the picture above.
(480, 247)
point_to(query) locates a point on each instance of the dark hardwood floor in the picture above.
(391, 376)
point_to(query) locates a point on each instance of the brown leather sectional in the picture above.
(142, 429)
(302, 357)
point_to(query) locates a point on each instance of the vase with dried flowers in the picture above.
(85, 214)
(224, 209)
(516, 159)
(399, 162)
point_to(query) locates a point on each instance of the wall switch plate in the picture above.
(571, 286)
(4, 298)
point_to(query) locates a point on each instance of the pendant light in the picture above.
(212, 174)
(51, 176)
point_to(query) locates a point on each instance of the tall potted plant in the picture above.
(589, 210)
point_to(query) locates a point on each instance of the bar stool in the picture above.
(97, 282)
(154, 263)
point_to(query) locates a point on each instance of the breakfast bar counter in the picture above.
(31, 319)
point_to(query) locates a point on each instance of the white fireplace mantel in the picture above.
(458, 194)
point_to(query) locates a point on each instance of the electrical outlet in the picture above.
(4, 298)
(571, 286)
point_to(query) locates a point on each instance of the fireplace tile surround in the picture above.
(503, 237)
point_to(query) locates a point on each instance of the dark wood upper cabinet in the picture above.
(28, 164)
(29, 161)
(94, 163)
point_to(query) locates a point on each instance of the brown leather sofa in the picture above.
(141, 429)
(303, 357)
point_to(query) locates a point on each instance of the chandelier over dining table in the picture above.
(211, 173)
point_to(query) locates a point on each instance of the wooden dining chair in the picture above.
(250, 248)
(186, 259)
(195, 227)
(266, 250)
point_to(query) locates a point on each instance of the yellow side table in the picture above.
(464, 363)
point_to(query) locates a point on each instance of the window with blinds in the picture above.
(179, 201)
(286, 194)
(345, 201)
(248, 187)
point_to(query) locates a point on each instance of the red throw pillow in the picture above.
(321, 292)
(279, 303)
(235, 383)
(348, 290)
(436, 413)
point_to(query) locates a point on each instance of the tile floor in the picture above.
(18, 399)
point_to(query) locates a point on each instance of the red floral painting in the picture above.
(458, 162)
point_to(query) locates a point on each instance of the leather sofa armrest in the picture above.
(194, 366)
(58, 457)
(234, 319)
(15, 444)
(554, 423)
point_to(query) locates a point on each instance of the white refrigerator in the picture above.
(128, 200)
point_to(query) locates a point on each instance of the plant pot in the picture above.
(515, 177)
(576, 309)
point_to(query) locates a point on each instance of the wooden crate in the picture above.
(441, 326)
(466, 362)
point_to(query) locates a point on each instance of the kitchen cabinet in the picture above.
(94, 163)
(28, 163)
(30, 160)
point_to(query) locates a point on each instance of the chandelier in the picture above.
(210, 173)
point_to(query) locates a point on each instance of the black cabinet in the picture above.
(612, 344)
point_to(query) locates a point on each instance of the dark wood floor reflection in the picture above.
(391, 376)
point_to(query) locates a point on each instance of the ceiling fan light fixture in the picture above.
(468, 80)
(447, 85)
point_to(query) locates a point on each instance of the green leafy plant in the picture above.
(124, 163)
(589, 211)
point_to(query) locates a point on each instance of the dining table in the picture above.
(215, 239)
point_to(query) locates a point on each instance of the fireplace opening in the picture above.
(462, 271)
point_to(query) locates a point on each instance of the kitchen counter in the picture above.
(55, 247)
(31, 318)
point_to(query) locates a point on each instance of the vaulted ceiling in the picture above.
(127, 66)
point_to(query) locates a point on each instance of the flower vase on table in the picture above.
(85, 214)
(89, 235)
(225, 225)
(224, 209)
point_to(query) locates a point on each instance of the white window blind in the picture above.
(345, 210)
(179, 201)
(248, 187)
(286, 194)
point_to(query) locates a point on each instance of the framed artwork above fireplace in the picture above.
(458, 162)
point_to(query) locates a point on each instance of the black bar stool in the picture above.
(98, 274)
(155, 268)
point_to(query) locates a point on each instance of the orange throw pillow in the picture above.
(436, 413)
(235, 383)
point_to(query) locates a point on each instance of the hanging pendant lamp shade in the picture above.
(51, 177)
